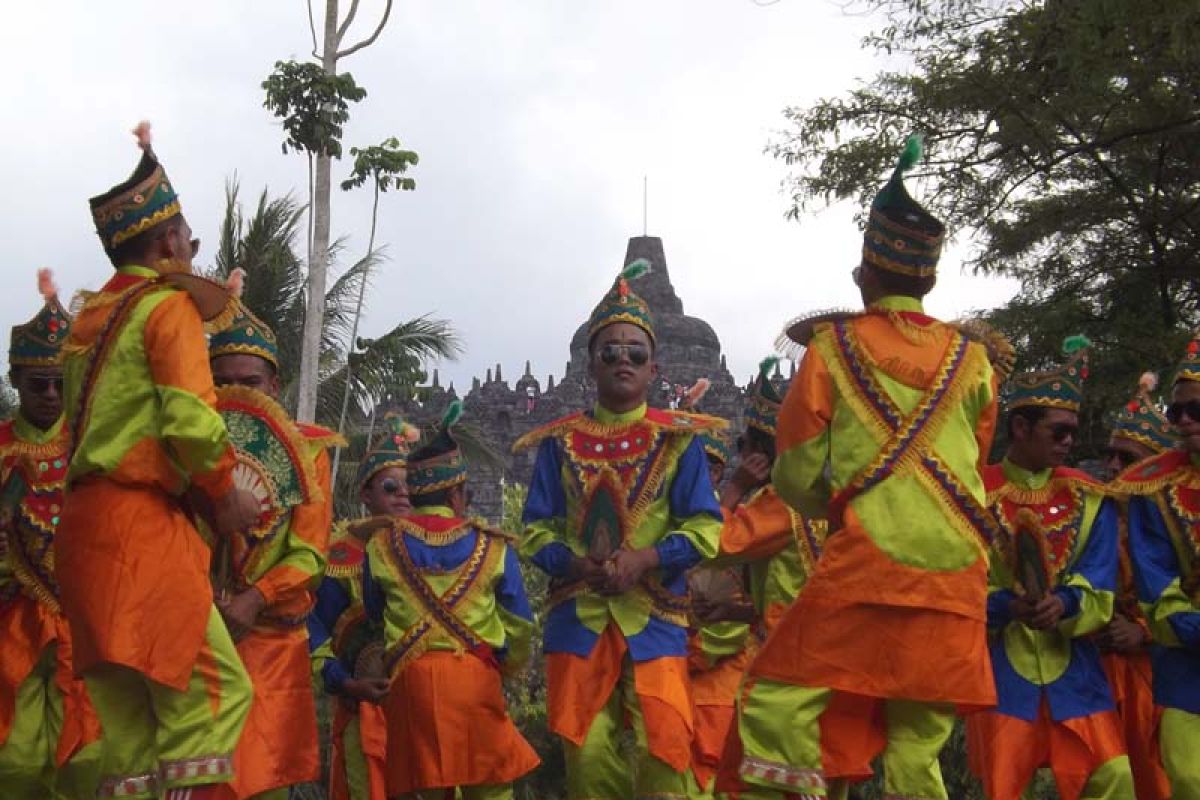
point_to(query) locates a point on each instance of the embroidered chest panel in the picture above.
(32, 502)
(1180, 504)
(616, 473)
(1058, 509)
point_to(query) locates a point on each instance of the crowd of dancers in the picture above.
(172, 577)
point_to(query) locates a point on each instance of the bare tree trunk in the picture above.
(314, 313)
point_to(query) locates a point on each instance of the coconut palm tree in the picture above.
(263, 243)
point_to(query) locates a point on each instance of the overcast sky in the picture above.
(535, 121)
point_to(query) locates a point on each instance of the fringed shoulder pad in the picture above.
(685, 421)
(550, 429)
(320, 437)
(1154, 474)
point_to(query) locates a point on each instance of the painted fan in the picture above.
(273, 461)
(1030, 556)
(714, 586)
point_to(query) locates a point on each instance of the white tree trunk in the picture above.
(314, 313)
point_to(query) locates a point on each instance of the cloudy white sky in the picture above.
(535, 121)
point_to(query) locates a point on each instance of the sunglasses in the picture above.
(1063, 431)
(638, 354)
(40, 384)
(391, 486)
(1175, 411)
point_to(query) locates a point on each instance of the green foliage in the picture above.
(8, 398)
(312, 104)
(1065, 138)
(385, 164)
(526, 696)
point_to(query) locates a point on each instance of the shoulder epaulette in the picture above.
(346, 555)
(685, 421)
(1152, 474)
(319, 436)
(554, 428)
(486, 529)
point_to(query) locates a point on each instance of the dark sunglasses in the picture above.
(1062, 431)
(1175, 411)
(638, 354)
(40, 384)
(391, 486)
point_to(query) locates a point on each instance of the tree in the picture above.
(263, 244)
(384, 165)
(1063, 137)
(316, 107)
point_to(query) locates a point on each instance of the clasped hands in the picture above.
(1042, 615)
(616, 574)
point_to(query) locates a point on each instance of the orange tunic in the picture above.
(132, 567)
(904, 579)
(279, 744)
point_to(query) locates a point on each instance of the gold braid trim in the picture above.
(145, 223)
(435, 538)
(1023, 496)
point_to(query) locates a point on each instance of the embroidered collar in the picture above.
(1024, 478)
(26, 431)
(433, 511)
(602, 414)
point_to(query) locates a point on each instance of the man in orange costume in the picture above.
(160, 667)
(45, 716)
(273, 577)
(894, 410)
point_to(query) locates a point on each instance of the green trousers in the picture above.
(1179, 740)
(781, 736)
(157, 738)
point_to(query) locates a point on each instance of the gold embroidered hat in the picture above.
(390, 449)
(1189, 368)
(901, 236)
(1055, 388)
(244, 334)
(439, 464)
(38, 343)
(145, 199)
(1142, 421)
(622, 305)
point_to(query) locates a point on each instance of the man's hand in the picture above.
(367, 690)
(752, 472)
(628, 567)
(736, 610)
(236, 511)
(1041, 616)
(1122, 635)
(593, 573)
(241, 611)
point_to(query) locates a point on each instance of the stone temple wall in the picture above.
(688, 349)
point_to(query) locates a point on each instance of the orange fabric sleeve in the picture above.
(177, 354)
(303, 563)
(759, 529)
(808, 406)
(985, 428)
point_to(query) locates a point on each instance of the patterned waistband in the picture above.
(195, 771)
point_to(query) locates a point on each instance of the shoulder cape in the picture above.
(672, 421)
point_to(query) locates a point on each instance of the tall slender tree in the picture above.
(331, 49)
(384, 165)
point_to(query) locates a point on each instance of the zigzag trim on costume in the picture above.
(674, 421)
(439, 611)
(903, 438)
(1155, 473)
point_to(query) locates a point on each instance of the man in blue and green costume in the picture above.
(160, 666)
(881, 432)
(48, 727)
(1051, 586)
(449, 594)
(269, 573)
(1164, 536)
(345, 646)
(620, 507)
(1140, 430)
